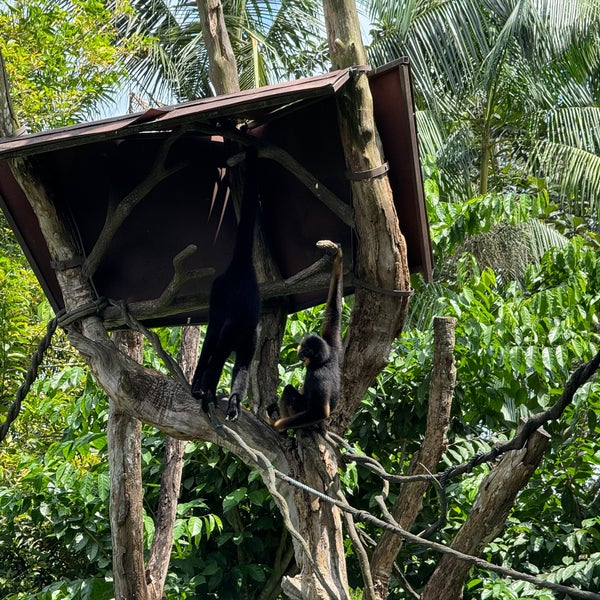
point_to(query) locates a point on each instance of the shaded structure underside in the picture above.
(304, 186)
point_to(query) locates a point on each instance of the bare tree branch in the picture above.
(117, 215)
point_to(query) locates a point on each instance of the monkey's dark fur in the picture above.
(322, 358)
(234, 310)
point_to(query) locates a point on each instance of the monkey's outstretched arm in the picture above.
(332, 325)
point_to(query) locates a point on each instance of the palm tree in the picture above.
(507, 92)
(273, 41)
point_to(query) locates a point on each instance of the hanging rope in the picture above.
(30, 377)
(63, 319)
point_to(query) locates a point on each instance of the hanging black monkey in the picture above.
(234, 309)
(321, 356)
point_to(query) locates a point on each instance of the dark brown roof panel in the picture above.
(248, 104)
(89, 166)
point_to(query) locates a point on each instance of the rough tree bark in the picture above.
(124, 434)
(377, 317)
(132, 578)
(222, 63)
(410, 499)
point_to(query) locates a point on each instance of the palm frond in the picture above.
(429, 301)
(542, 237)
(574, 173)
(577, 126)
(268, 40)
(445, 41)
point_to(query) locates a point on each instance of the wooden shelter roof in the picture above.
(305, 191)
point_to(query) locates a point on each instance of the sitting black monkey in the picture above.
(234, 309)
(321, 356)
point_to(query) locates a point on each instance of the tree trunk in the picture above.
(496, 496)
(9, 123)
(133, 580)
(126, 490)
(314, 463)
(222, 64)
(410, 500)
(377, 317)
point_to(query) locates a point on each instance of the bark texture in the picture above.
(314, 463)
(410, 500)
(222, 64)
(381, 259)
(126, 491)
(9, 123)
(496, 497)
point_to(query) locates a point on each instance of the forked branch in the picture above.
(180, 277)
(117, 215)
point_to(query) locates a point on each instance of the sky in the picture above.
(120, 103)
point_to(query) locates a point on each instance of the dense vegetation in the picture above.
(517, 262)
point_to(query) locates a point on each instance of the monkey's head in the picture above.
(313, 351)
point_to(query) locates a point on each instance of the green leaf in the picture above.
(234, 498)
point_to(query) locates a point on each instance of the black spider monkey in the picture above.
(322, 358)
(234, 309)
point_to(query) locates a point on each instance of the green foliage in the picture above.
(516, 341)
(61, 57)
(507, 98)
(272, 42)
(20, 324)
(54, 530)
(516, 345)
(54, 524)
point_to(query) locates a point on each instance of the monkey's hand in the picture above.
(233, 408)
(273, 412)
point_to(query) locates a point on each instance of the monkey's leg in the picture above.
(240, 377)
(291, 404)
(212, 374)
(208, 347)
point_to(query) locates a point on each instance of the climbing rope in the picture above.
(63, 319)
(30, 377)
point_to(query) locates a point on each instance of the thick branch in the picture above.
(164, 403)
(287, 161)
(497, 495)
(180, 277)
(320, 191)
